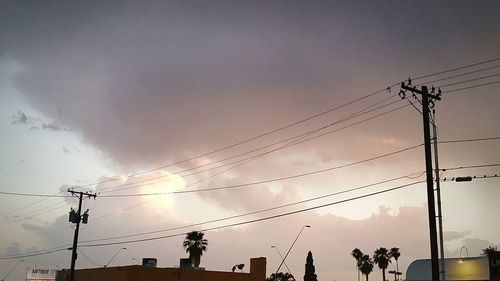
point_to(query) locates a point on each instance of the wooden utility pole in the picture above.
(77, 217)
(427, 100)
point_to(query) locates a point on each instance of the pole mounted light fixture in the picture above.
(114, 256)
(291, 246)
(279, 253)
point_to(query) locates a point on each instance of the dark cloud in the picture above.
(153, 82)
(146, 83)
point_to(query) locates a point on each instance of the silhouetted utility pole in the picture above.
(428, 100)
(442, 268)
(77, 217)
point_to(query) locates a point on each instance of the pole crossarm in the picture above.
(431, 95)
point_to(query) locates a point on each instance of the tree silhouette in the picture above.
(195, 245)
(310, 274)
(394, 253)
(490, 250)
(382, 259)
(366, 265)
(281, 277)
(357, 255)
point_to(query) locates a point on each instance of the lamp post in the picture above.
(282, 258)
(291, 246)
(114, 256)
(12, 269)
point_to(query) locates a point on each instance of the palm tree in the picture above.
(366, 265)
(195, 245)
(490, 250)
(357, 255)
(382, 259)
(394, 253)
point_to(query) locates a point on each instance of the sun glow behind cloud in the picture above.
(166, 182)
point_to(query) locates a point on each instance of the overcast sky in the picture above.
(141, 97)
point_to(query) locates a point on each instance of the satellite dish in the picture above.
(240, 266)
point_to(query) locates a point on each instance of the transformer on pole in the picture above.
(76, 216)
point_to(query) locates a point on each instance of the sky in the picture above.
(246, 120)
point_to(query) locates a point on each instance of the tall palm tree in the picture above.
(382, 259)
(366, 265)
(357, 255)
(394, 253)
(195, 245)
(490, 250)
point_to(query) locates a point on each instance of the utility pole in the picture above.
(77, 217)
(427, 100)
(442, 268)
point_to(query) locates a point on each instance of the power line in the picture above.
(291, 124)
(462, 74)
(28, 205)
(472, 87)
(220, 227)
(34, 213)
(288, 145)
(224, 226)
(270, 180)
(295, 176)
(249, 139)
(260, 211)
(469, 80)
(456, 68)
(261, 219)
(33, 194)
(469, 140)
(294, 140)
(39, 253)
(448, 169)
(470, 178)
(135, 184)
(471, 167)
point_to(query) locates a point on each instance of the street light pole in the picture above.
(291, 246)
(114, 256)
(282, 258)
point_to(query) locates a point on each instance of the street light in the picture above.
(12, 269)
(291, 246)
(282, 258)
(114, 256)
